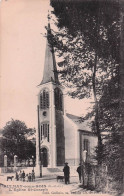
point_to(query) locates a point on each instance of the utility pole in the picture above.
(40, 161)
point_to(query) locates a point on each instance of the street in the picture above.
(47, 185)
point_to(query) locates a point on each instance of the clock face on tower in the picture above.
(44, 113)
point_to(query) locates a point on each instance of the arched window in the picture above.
(58, 99)
(45, 132)
(44, 100)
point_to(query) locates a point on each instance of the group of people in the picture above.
(66, 171)
(30, 177)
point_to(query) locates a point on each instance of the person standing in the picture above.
(17, 176)
(33, 175)
(26, 178)
(66, 171)
(20, 175)
(23, 176)
(79, 172)
(29, 177)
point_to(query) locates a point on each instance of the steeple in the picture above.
(50, 71)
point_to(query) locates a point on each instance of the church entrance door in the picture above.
(44, 157)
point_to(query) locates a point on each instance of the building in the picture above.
(61, 137)
(78, 137)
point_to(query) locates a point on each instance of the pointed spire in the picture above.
(48, 17)
(50, 71)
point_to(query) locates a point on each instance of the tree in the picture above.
(112, 117)
(111, 120)
(88, 40)
(14, 141)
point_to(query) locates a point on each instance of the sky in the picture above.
(22, 52)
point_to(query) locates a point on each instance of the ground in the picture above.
(47, 185)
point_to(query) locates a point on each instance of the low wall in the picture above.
(11, 169)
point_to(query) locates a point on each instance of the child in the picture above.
(33, 175)
(29, 177)
(26, 178)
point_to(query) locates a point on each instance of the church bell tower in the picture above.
(50, 142)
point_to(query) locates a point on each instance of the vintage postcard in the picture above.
(61, 97)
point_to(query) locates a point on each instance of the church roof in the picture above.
(80, 125)
(50, 71)
(84, 126)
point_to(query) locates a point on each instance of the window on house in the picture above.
(45, 131)
(44, 100)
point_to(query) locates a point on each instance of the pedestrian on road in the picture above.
(23, 176)
(20, 175)
(66, 171)
(26, 178)
(29, 177)
(79, 172)
(17, 176)
(33, 175)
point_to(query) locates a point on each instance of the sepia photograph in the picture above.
(62, 97)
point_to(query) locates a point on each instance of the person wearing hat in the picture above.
(66, 171)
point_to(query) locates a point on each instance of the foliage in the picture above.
(97, 23)
(88, 43)
(91, 30)
(14, 140)
(111, 120)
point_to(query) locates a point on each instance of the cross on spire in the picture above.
(48, 16)
(50, 70)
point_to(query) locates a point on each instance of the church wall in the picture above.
(60, 139)
(50, 119)
(56, 146)
(70, 132)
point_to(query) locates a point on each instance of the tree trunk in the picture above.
(99, 155)
(99, 152)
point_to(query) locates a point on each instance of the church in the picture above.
(60, 136)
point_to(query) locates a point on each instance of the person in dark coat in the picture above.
(79, 172)
(23, 176)
(66, 171)
(17, 176)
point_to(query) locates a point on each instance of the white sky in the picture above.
(22, 50)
